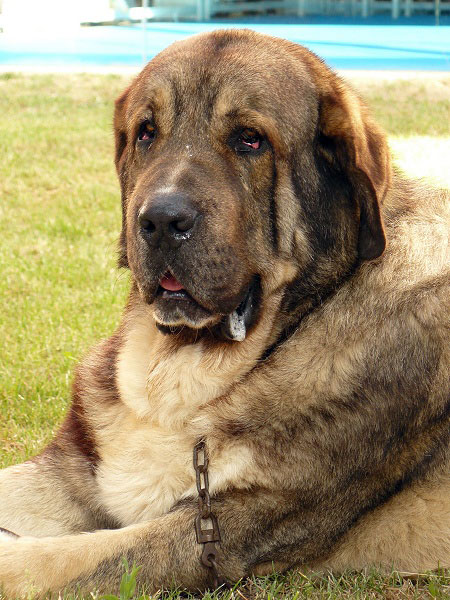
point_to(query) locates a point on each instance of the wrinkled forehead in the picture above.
(219, 75)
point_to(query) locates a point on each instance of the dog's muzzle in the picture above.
(168, 220)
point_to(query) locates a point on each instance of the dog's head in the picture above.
(246, 167)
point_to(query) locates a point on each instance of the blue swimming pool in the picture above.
(344, 45)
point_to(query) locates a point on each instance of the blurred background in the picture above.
(115, 34)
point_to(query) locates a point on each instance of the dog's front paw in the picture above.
(15, 560)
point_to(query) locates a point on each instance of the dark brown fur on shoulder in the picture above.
(289, 307)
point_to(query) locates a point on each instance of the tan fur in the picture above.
(64, 558)
(33, 503)
(409, 534)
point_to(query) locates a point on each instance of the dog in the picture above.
(277, 392)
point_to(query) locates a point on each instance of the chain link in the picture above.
(206, 525)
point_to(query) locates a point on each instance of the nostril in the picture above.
(181, 226)
(147, 225)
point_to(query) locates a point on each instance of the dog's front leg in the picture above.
(51, 495)
(165, 548)
(253, 532)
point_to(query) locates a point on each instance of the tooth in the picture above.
(236, 326)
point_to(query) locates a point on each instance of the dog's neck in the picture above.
(164, 379)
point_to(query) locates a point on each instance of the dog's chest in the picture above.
(146, 443)
(145, 471)
(146, 449)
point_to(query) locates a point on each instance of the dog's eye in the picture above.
(147, 132)
(248, 141)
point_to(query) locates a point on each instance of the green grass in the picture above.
(60, 290)
(297, 585)
(409, 107)
(59, 220)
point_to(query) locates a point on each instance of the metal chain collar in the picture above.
(206, 535)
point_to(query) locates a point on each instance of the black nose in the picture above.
(170, 217)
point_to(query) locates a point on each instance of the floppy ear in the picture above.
(120, 132)
(355, 144)
(121, 140)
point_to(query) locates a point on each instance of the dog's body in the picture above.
(326, 424)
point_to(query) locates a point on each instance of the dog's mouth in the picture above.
(175, 307)
(171, 288)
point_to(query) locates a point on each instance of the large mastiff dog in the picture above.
(287, 317)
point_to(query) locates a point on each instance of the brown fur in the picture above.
(327, 427)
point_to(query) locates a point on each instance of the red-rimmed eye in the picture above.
(147, 132)
(248, 140)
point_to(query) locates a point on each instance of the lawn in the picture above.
(60, 290)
